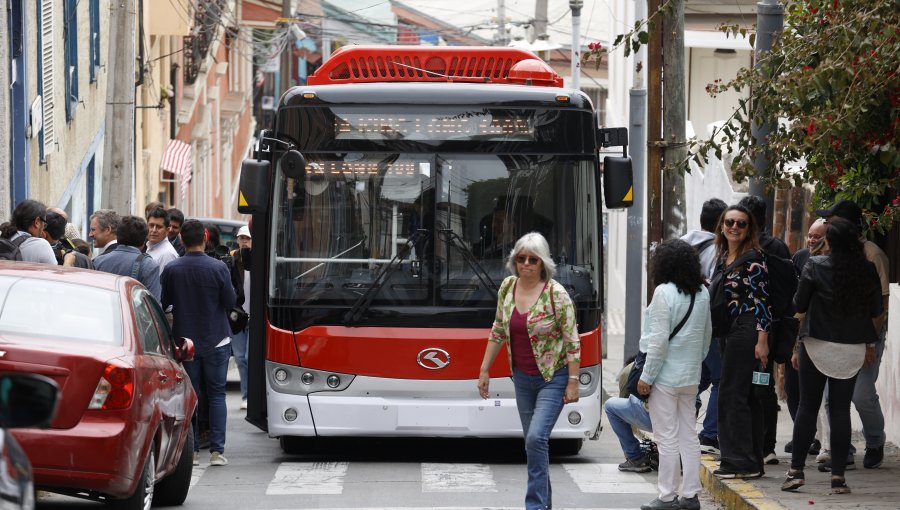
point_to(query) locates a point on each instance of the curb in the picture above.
(733, 494)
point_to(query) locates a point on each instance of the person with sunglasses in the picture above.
(536, 318)
(744, 347)
(26, 231)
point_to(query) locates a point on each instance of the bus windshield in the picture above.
(447, 220)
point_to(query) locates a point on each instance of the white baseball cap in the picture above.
(244, 231)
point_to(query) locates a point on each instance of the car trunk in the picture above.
(76, 368)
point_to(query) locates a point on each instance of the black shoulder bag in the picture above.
(638, 367)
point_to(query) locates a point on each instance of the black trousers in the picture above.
(741, 424)
(769, 402)
(792, 389)
(840, 393)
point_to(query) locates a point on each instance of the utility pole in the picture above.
(674, 119)
(770, 24)
(287, 53)
(576, 6)
(540, 19)
(654, 132)
(502, 40)
(637, 139)
(118, 153)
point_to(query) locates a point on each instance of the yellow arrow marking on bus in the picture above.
(242, 202)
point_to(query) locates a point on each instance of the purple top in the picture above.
(520, 343)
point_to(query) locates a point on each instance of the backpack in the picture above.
(782, 287)
(10, 249)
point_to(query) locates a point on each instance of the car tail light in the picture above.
(115, 389)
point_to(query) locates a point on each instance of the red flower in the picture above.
(811, 128)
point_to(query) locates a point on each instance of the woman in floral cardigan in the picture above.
(535, 316)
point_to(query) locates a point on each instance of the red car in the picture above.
(122, 430)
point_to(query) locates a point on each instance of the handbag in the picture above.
(237, 319)
(638, 367)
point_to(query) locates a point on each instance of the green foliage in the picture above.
(831, 90)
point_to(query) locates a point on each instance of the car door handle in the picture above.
(163, 377)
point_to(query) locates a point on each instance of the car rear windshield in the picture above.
(64, 311)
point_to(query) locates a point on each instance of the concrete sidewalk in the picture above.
(872, 488)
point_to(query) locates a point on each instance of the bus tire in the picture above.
(566, 446)
(295, 445)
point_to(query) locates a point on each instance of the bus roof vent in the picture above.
(368, 64)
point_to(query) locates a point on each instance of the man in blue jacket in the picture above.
(127, 259)
(198, 288)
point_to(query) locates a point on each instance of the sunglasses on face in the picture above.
(731, 222)
(521, 259)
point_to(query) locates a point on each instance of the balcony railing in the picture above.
(207, 20)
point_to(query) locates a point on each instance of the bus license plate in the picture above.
(431, 416)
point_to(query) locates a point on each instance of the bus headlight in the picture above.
(290, 414)
(574, 418)
(333, 381)
(281, 375)
(307, 378)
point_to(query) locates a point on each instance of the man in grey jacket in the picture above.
(127, 259)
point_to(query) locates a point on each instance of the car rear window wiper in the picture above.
(453, 239)
(365, 300)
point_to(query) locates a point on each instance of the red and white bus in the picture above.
(385, 201)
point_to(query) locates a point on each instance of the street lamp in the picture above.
(576, 6)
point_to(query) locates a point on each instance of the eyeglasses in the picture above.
(732, 222)
(521, 259)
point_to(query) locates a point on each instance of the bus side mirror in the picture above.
(293, 165)
(253, 190)
(617, 182)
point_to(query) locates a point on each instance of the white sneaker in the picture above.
(771, 459)
(196, 458)
(244, 404)
(823, 457)
(217, 459)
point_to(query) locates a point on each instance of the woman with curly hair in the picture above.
(672, 368)
(745, 344)
(841, 295)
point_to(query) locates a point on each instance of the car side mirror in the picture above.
(27, 400)
(184, 349)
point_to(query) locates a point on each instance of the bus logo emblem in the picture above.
(433, 358)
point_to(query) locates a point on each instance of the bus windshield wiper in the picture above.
(454, 240)
(365, 300)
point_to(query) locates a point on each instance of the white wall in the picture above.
(888, 384)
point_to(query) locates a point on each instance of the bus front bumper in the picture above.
(380, 407)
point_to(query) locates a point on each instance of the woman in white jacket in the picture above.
(672, 369)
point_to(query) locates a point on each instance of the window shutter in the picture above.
(47, 68)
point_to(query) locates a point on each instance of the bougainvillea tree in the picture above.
(831, 86)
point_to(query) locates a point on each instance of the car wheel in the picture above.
(143, 494)
(565, 446)
(295, 445)
(173, 489)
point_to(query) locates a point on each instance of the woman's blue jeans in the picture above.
(539, 403)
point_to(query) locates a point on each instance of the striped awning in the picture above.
(179, 159)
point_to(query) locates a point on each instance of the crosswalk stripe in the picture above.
(196, 473)
(607, 479)
(308, 478)
(437, 477)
